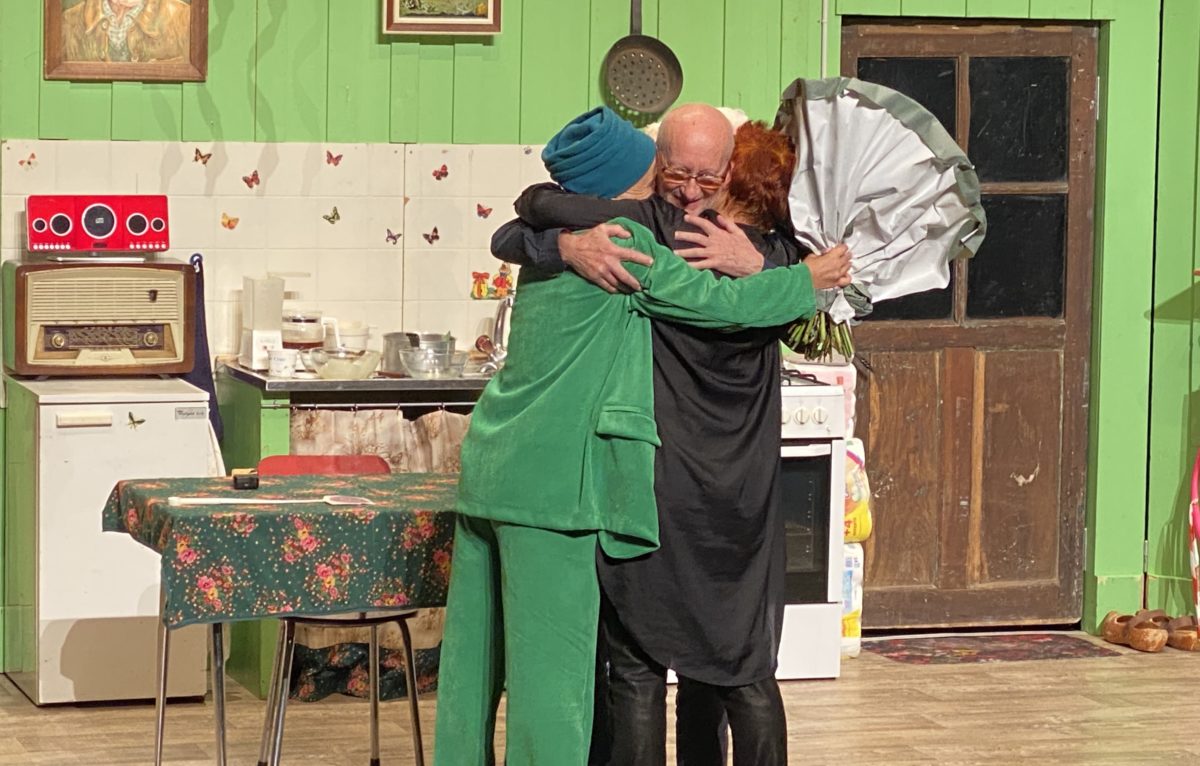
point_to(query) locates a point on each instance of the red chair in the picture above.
(272, 741)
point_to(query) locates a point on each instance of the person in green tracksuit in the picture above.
(559, 459)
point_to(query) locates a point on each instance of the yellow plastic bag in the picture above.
(858, 494)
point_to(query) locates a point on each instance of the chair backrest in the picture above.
(289, 465)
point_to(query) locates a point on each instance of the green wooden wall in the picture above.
(1175, 367)
(318, 70)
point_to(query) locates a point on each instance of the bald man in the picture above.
(709, 603)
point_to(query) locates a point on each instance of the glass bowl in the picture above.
(342, 364)
(426, 363)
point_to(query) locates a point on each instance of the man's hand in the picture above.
(593, 256)
(723, 247)
(830, 269)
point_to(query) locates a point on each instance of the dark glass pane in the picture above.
(1019, 112)
(1018, 270)
(929, 82)
(931, 304)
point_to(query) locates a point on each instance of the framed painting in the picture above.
(441, 17)
(142, 40)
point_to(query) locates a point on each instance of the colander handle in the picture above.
(635, 17)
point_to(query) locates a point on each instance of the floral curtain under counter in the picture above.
(330, 660)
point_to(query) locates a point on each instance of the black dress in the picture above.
(709, 602)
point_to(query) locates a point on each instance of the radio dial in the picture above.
(58, 340)
(149, 339)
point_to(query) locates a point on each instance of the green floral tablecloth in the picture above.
(240, 562)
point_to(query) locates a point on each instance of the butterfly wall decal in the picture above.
(201, 157)
(28, 162)
(432, 236)
(481, 211)
(392, 237)
(229, 222)
(251, 180)
(441, 173)
(333, 217)
(135, 422)
(333, 159)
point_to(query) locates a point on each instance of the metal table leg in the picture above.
(160, 694)
(218, 682)
(264, 749)
(289, 646)
(410, 676)
(373, 681)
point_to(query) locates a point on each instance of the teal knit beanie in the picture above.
(598, 153)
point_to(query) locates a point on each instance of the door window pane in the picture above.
(931, 304)
(929, 82)
(1018, 270)
(1019, 111)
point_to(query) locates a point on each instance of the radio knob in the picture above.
(802, 415)
(58, 340)
(149, 339)
(820, 415)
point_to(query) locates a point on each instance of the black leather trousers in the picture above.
(630, 722)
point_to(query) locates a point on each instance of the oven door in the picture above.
(812, 484)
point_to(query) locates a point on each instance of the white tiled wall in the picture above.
(348, 269)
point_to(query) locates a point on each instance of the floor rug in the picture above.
(1014, 647)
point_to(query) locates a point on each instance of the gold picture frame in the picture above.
(441, 17)
(126, 40)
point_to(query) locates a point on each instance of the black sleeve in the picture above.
(549, 206)
(517, 242)
(782, 250)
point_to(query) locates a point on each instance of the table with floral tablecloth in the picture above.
(223, 563)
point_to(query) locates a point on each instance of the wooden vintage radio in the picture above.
(99, 318)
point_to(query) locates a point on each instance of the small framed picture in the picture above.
(142, 40)
(441, 17)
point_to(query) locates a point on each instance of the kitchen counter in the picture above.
(377, 384)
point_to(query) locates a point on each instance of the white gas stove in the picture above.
(812, 479)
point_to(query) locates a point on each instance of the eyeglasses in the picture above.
(708, 182)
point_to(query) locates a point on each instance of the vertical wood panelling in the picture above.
(147, 111)
(79, 110)
(20, 68)
(293, 57)
(752, 44)
(435, 98)
(223, 106)
(406, 90)
(1060, 9)
(1001, 9)
(554, 65)
(695, 30)
(359, 75)
(1172, 440)
(953, 8)
(800, 40)
(1121, 330)
(487, 82)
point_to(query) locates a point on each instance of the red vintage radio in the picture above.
(97, 223)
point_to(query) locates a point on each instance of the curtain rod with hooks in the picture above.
(360, 406)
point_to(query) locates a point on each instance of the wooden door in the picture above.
(974, 412)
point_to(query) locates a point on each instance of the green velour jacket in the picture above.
(563, 437)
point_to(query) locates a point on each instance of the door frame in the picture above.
(1123, 269)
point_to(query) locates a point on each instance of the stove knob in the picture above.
(820, 415)
(786, 417)
(802, 415)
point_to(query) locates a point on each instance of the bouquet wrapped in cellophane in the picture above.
(877, 172)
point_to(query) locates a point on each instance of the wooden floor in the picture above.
(1119, 711)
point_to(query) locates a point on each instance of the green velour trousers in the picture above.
(521, 616)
